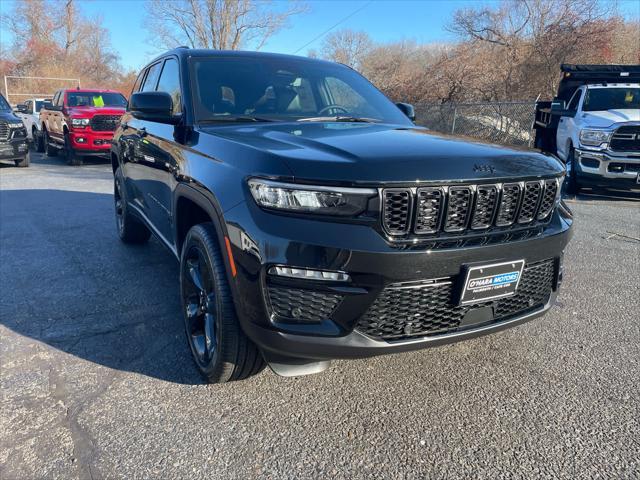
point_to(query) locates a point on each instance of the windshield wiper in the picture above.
(340, 118)
(236, 118)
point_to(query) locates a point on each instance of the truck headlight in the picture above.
(310, 199)
(594, 137)
(79, 122)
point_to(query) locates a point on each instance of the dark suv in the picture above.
(313, 220)
(13, 136)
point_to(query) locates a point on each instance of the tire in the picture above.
(49, 150)
(73, 158)
(25, 161)
(130, 229)
(573, 187)
(38, 141)
(220, 349)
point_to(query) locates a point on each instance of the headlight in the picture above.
(79, 122)
(310, 199)
(594, 137)
(16, 125)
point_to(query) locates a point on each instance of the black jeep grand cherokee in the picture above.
(313, 220)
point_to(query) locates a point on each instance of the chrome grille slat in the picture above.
(425, 211)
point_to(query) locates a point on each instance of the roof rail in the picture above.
(183, 46)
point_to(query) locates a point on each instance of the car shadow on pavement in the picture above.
(69, 282)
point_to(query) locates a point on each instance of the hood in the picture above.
(377, 153)
(91, 111)
(606, 118)
(9, 116)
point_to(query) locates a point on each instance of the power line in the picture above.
(334, 26)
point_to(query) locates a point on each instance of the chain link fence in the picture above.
(506, 123)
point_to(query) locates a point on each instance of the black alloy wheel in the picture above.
(220, 348)
(201, 312)
(130, 229)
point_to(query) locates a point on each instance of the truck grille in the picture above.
(105, 123)
(457, 209)
(4, 131)
(404, 311)
(626, 139)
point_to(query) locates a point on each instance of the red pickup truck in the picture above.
(81, 123)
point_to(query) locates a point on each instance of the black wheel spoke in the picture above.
(209, 335)
(193, 267)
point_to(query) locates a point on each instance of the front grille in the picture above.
(299, 305)
(458, 209)
(105, 123)
(405, 311)
(4, 131)
(626, 139)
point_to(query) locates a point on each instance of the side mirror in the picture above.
(408, 110)
(153, 106)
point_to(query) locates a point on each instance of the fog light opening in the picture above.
(306, 274)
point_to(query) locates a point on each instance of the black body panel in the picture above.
(206, 168)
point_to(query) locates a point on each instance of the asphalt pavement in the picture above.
(97, 379)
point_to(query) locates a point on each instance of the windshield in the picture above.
(598, 99)
(95, 99)
(3, 104)
(236, 89)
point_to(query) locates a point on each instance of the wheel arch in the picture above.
(192, 206)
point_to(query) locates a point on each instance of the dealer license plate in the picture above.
(489, 282)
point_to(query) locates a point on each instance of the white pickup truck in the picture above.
(29, 112)
(594, 126)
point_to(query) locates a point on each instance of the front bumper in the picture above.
(606, 169)
(13, 149)
(88, 143)
(260, 240)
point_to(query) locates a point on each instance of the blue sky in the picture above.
(384, 20)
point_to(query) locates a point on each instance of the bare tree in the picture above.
(217, 24)
(347, 46)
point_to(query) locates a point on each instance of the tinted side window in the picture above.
(60, 100)
(152, 78)
(136, 86)
(55, 99)
(29, 105)
(170, 83)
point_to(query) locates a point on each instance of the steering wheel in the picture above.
(332, 107)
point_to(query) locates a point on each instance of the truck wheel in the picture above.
(73, 158)
(38, 142)
(49, 150)
(573, 187)
(130, 229)
(25, 161)
(220, 348)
